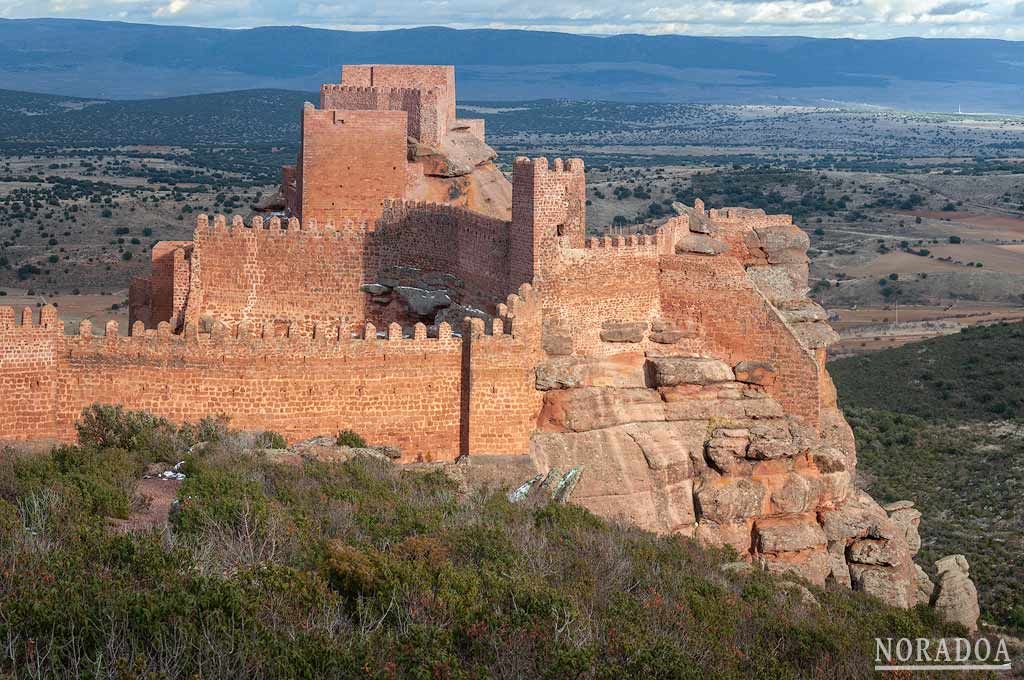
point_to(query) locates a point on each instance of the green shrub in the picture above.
(350, 438)
(271, 440)
(103, 426)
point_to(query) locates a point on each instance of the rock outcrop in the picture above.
(955, 596)
(682, 446)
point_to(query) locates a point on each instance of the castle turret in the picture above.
(548, 212)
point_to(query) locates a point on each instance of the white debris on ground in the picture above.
(173, 473)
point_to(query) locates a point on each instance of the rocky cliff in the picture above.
(676, 441)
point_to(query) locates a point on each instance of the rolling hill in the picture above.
(121, 60)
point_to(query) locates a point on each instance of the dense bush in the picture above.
(314, 569)
(350, 438)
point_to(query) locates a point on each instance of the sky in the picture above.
(818, 18)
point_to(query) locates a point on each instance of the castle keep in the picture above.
(416, 296)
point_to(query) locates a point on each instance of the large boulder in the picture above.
(907, 519)
(788, 533)
(728, 499)
(885, 583)
(873, 551)
(955, 597)
(592, 408)
(701, 244)
(670, 371)
(423, 302)
(621, 331)
(640, 472)
(923, 586)
(620, 370)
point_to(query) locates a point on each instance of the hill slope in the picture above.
(929, 421)
(977, 374)
(120, 60)
(281, 567)
(248, 117)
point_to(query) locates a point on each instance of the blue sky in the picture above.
(821, 18)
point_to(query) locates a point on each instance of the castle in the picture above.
(682, 365)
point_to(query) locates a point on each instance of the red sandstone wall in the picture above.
(405, 389)
(476, 126)
(443, 238)
(289, 189)
(581, 283)
(739, 324)
(585, 287)
(425, 120)
(350, 161)
(407, 76)
(28, 385)
(548, 214)
(499, 374)
(169, 280)
(140, 301)
(404, 392)
(269, 275)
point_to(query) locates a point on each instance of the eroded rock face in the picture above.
(677, 439)
(564, 372)
(955, 597)
(678, 444)
(701, 244)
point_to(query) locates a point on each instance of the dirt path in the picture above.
(161, 494)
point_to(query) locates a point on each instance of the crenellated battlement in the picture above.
(378, 90)
(275, 227)
(518, 316)
(541, 165)
(298, 339)
(649, 241)
(26, 320)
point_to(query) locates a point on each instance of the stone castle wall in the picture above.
(430, 396)
(349, 162)
(434, 112)
(276, 274)
(434, 237)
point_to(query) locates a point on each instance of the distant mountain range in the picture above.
(113, 60)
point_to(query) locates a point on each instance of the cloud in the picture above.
(951, 8)
(172, 8)
(821, 18)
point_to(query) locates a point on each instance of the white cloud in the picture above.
(826, 18)
(172, 8)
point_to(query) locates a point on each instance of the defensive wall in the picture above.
(292, 281)
(433, 396)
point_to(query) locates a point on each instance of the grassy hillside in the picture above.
(281, 568)
(977, 374)
(938, 422)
